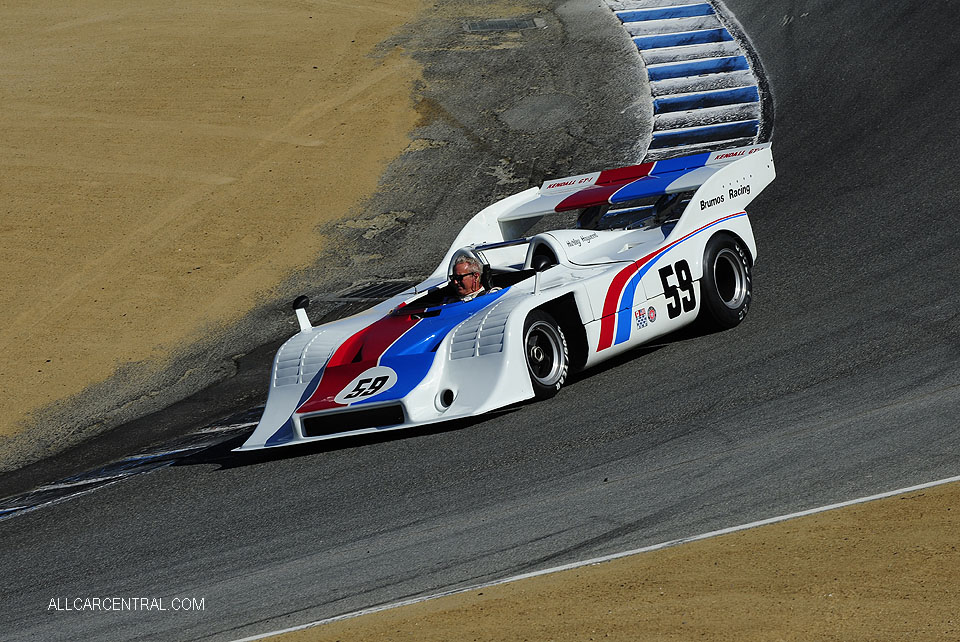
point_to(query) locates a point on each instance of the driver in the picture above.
(466, 280)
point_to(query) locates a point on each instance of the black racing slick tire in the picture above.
(546, 354)
(727, 285)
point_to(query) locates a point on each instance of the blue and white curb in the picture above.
(705, 90)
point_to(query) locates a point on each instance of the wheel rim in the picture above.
(730, 277)
(543, 352)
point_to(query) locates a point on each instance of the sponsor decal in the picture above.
(716, 200)
(738, 153)
(742, 152)
(641, 319)
(584, 238)
(652, 314)
(368, 383)
(566, 183)
(740, 191)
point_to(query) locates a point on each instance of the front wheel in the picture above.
(727, 285)
(546, 353)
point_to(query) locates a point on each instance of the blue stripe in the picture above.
(698, 67)
(413, 353)
(625, 313)
(665, 13)
(284, 434)
(683, 162)
(708, 99)
(647, 186)
(663, 174)
(709, 133)
(701, 37)
(624, 325)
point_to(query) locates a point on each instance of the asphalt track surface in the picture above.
(841, 383)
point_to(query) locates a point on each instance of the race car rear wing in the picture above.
(625, 184)
(742, 173)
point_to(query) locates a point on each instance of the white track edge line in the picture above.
(608, 558)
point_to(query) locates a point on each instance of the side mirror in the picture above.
(300, 305)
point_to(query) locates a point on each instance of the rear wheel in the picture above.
(727, 284)
(546, 353)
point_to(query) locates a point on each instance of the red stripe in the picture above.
(361, 351)
(624, 174)
(609, 181)
(587, 197)
(607, 321)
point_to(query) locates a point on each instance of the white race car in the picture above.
(653, 247)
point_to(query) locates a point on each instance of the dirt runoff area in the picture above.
(165, 164)
(883, 570)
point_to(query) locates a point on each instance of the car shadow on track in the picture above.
(223, 455)
(679, 336)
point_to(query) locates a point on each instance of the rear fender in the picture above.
(726, 193)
